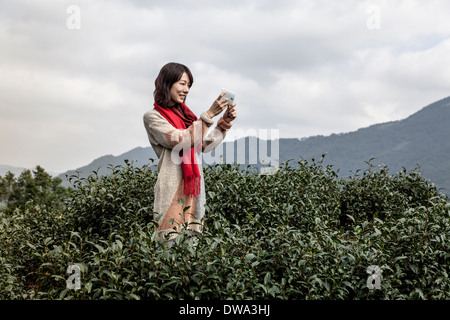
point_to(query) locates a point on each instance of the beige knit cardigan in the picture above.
(164, 139)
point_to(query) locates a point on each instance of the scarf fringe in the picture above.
(192, 186)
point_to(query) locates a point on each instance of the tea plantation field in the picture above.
(300, 233)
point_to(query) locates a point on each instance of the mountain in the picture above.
(421, 139)
(139, 155)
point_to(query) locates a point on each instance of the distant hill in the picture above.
(421, 139)
(100, 165)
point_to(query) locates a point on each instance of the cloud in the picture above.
(304, 67)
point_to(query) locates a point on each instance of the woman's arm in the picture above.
(212, 140)
(166, 135)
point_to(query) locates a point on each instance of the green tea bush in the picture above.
(301, 233)
(378, 194)
(103, 205)
(291, 196)
(25, 237)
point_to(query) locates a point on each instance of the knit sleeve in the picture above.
(212, 139)
(161, 132)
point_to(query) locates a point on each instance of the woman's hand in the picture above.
(218, 106)
(230, 114)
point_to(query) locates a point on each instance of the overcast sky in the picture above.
(74, 84)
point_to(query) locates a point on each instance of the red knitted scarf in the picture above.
(191, 173)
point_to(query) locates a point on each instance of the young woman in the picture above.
(178, 137)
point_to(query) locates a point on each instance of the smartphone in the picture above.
(230, 95)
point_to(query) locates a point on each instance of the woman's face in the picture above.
(180, 89)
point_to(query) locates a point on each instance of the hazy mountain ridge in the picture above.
(421, 139)
(139, 155)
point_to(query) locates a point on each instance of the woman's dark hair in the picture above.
(169, 74)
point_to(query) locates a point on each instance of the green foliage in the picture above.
(31, 188)
(301, 233)
(377, 194)
(105, 204)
